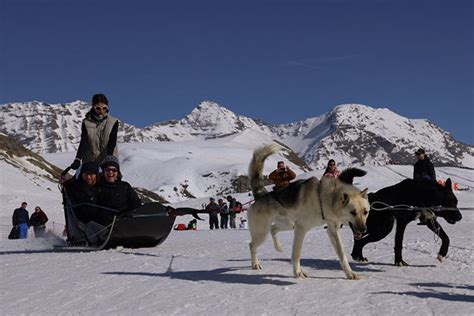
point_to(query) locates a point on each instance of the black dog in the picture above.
(421, 193)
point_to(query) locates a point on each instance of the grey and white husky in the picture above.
(302, 205)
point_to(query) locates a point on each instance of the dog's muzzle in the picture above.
(358, 231)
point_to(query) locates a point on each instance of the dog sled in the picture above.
(146, 226)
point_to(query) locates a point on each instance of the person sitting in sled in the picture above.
(98, 134)
(115, 194)
(281, 176)
(83, 192)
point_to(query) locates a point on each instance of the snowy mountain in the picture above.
(357, 134)
(352, 134)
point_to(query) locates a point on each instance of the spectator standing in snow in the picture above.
(98, 134)
(38, 220)
(331, 170)
(423, 168)
(232, 213)
(224, 212)
(113, 192)
(21, 220)
(281, 176)
(213, 209)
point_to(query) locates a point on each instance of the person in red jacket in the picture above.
(282, 176)
(331, 170)
(38, 220)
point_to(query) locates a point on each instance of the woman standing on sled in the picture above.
(98, 135)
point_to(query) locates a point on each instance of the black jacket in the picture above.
(20, 216)
(79, 192)
(119, 196)
(424, 169)
(38, 218)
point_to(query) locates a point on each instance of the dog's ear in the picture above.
(345, 199)
(364, 193)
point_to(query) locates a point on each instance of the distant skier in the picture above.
(98, 134)
(423, 168)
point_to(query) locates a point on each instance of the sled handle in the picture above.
(65, 171)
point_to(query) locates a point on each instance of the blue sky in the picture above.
(280, 61)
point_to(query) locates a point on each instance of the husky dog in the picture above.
(302, 205)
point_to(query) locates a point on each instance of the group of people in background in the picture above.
(227, 212)
(21, 222)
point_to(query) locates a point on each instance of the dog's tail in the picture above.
(347, 175)
(256, 168)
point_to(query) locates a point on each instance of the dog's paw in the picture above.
(440, 258)
(361, 260)
(278, 247)
(401, 263)
(257, 266)
(353, 276)
(301, 274)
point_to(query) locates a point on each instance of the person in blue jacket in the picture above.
(21, 219)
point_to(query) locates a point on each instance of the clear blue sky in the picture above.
(280, 61)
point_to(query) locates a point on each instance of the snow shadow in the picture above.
(17, 252)
(445, 296)
(409, 265)
(135, 253)
(447, 285)
(223, 275)
(325, 264)
(433, 290)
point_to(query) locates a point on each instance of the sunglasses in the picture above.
(101, 108)
(332, 164)
(114, 170)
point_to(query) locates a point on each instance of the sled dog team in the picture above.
(305, 204)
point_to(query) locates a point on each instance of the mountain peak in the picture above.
(210, 112)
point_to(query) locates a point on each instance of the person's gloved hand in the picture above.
(76, 164)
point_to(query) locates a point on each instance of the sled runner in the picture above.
(146, 226)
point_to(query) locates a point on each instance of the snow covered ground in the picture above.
(207, 272)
